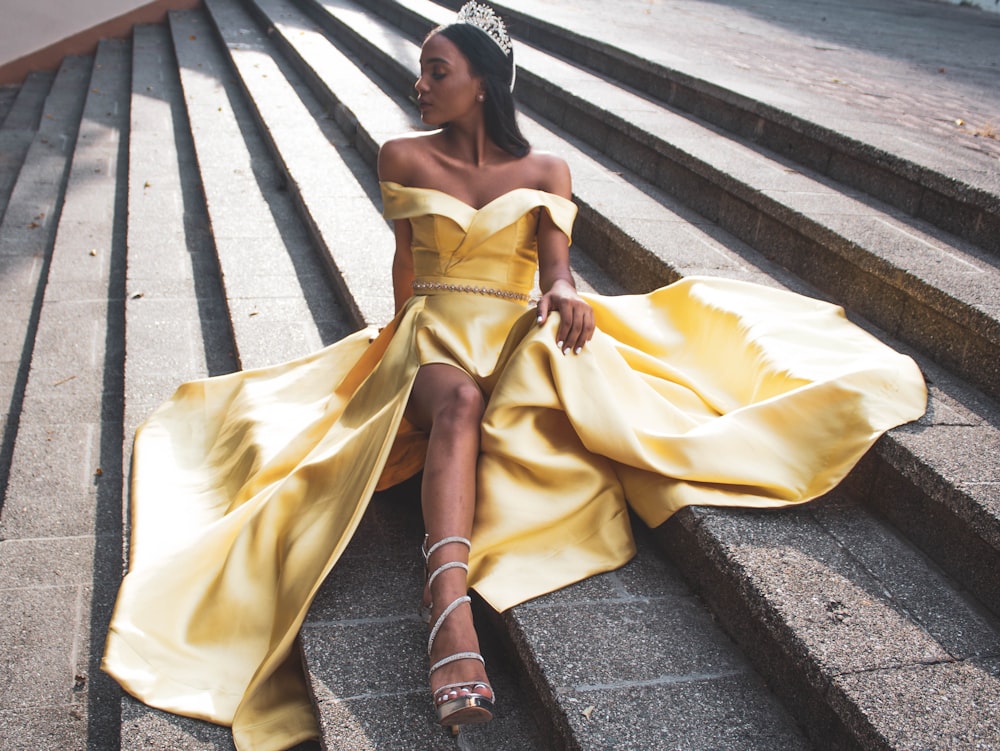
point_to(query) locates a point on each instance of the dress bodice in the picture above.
(457, 244)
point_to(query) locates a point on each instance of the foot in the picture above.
(457, 635)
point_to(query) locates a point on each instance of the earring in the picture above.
(480, 97)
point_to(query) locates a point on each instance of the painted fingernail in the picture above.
(566, 351)
(578, 350)
(559, 344)
(539, 319)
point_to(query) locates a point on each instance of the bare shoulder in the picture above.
(399, 158)
(550, 172)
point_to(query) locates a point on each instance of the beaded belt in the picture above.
(445, 287)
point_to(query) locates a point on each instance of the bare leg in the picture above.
(448, 405)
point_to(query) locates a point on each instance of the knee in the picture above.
(462, 409)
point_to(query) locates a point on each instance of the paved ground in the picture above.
(918, 78)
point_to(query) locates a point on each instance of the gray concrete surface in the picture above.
(813, 585)
(19, 117)
(61, 521)
(897, 74)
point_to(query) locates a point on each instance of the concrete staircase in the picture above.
(203, 198)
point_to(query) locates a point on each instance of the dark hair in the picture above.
(486, 59)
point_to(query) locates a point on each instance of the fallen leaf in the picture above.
(93, 252)
(98, 471)
(589, 711)
(192, 37)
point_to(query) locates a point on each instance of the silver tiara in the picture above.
(483, 17)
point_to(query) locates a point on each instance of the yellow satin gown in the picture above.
(247, 487)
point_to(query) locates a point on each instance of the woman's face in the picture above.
(447, 90)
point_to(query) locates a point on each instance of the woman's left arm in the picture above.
(576, 318)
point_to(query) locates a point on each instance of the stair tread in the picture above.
(318, 175)
(27, 231)
(855, 610)
(20, 118)
(177, 326)
(64, 536)
(280, 302)
(858, 107)
(8, 95)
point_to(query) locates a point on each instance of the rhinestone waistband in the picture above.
(419, 287)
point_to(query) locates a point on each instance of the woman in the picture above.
(477, 157)
(532, 424)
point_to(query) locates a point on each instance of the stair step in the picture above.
(62, 521)
(23, 107)
(633, 659)
(8, 94)
(334, 200)
(26, 236)
(177, 325)
(20, 120)
(279, 296)
(851, 625)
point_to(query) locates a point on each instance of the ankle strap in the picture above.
(457, 602)
(444, 567)
(428, 552)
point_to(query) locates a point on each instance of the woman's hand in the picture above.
(576, 317)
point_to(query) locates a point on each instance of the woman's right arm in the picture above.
(402, 263)
(392, 161)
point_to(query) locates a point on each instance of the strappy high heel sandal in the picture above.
(452, 706)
